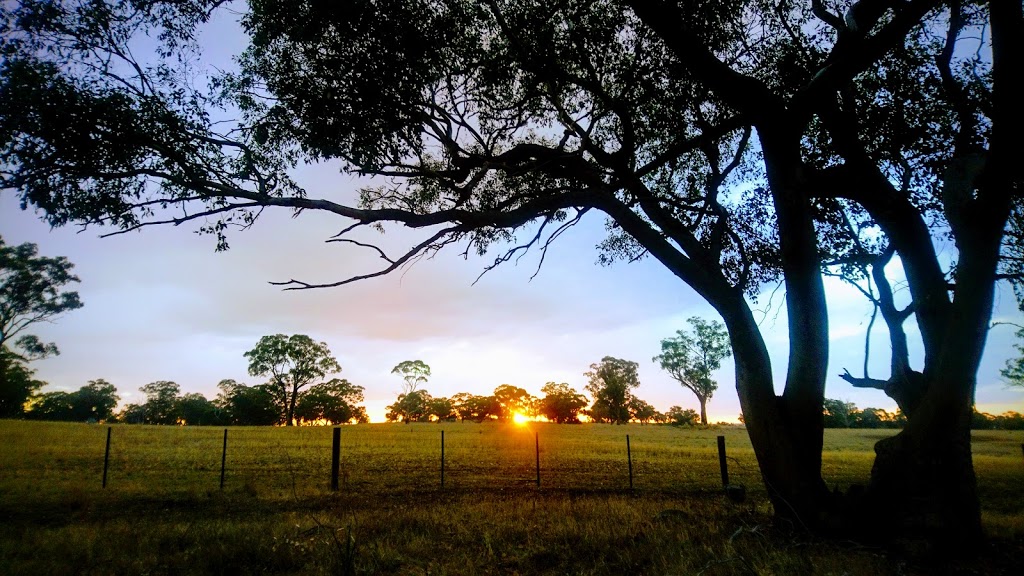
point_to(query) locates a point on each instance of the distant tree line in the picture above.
(297, 392)
(840, 414)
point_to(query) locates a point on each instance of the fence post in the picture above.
(106, 458)
(722, 463)
(223, 458)
(536, 439)
(335, 457)
(629, 458)
(442, 458)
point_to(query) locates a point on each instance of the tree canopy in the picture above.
(292, 363)
(561, 403)
(610, 384)
(414, 372)
(737, 142)
(691, 358)
(31, 291)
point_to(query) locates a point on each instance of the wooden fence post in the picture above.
(335, 457)
(629, 459)
(106, 458)
(223, 458)
(722, 463)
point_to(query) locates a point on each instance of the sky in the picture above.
(161, 304)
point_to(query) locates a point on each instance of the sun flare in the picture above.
(520, 418)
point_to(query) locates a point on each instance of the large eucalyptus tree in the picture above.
(736, 141)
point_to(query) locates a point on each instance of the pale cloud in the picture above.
(161, 305)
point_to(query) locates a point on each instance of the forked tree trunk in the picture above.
(923, 478)
(788, 454)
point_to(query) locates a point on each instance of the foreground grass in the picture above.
(162, 512)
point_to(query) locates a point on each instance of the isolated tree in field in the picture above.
(690, 358)
(740, 143)
(292, 363)
(335, 401)
(561, 403)
(414, 372)
(610, 385)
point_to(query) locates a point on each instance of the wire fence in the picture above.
(372, 459)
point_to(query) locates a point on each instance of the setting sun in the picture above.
(520, 418)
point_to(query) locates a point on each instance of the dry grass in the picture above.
(162, 512)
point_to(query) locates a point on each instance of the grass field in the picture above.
(163, 512)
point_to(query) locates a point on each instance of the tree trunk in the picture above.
(703, 410)
(923, 478)
(291, 406)
(783, 446)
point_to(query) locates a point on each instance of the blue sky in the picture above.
(160, 304)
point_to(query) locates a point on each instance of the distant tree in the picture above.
(677, 416)
(610, 385)
(161, 402)
(1014, 370)
(133, 414)
(292, 363)
(242, 405)
(441, 409)
(54, 406)
(561, 403)
(1009, 421)
(462, 405)
(96, 401)
(480, 408)
(17, 385)
(641, 411)
(513, 399)
(413, 372)
(336, 401)
(838, 413)
(690, 358)
(194, 409)
(872, 418)
(982, 421)
(410, 407)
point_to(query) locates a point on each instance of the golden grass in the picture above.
(162, 512)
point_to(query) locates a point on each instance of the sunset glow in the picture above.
(520, 418)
